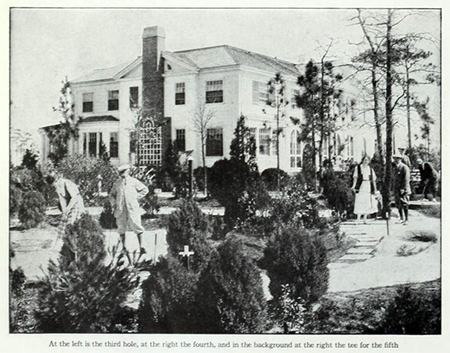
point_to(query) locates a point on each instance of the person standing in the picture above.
(124, 198)
(402, 188)
(364, 186)
(405, 158)
(428, 178)
(70, 200)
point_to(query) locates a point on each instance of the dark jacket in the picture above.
(402, 178)
(427, 171)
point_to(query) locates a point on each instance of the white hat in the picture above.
(397, 156)
(123, 167)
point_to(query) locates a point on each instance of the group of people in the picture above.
(368, 199)
(124, 198)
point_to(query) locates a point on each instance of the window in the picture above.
(295, 150)
(179, 93)
(88, 102)
(150, 145)
(214, 91)
(274, 141)
(92, 144)
(134, 97)
(260, 93)
(295, 94)
(114, 145)
(264, 141)
(113, 100)
(214, 142)
(180, 141)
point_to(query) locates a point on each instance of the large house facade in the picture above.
(169, 94)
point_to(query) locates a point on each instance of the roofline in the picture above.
(230, 46)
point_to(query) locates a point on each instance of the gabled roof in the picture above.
(202, 58)
(108, 73)
(225, 55)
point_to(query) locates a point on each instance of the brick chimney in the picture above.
(153, 44)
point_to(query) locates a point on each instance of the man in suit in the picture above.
(402, 188)
(124, 197)
(428, 178)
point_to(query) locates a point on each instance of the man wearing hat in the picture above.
(124, 197)
(428, 178)
(402, 188)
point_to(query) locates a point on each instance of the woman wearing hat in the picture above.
(364, 186)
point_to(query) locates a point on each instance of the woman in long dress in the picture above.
(364, 186)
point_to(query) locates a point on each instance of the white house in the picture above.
(169, 89)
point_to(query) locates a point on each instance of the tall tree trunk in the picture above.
(388, 166)
(408, 109)
(375, 114)
(205, 176)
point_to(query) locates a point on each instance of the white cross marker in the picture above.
(186, 251)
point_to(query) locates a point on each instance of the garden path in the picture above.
(374, 261)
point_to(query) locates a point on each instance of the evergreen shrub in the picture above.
(336, 189)
(296, 257)
(168, 299)
(412, 313)
(230, 296)
(188, 225)
(150, 202)
(32, 209)
(269, 177)
(107, 219)
(82, 291)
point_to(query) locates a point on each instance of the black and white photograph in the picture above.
(201, 178)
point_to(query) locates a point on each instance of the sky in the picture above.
(49, 44)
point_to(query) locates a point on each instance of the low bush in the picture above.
(80, 293)
(32, 209)
(424, 236)
(107, 219)
(150, 202)
(16, 301)
(189, 226)
(336, 189)
(412, 313)
(168, 299)
(269, 177)
(296, 257)
(230, 297)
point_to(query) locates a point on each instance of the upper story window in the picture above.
(214, 91)
(180, 140)
(88, 102)
(260, 93)
(180, 93)
(113, 100)
(214, 142)
(134, 97)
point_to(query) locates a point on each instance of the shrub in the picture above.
(15, 199)
(32, 209)
(230, 297)
(412, 313)
(269, 177)
(290, 313)
(336, 189)
(16, 302)
(85, 172)
(200, 177)
(425, 236)
(30, 159)
(80, 292)
(297, 258)
(150, 202)
(168, 299)
(107, 219)
(189, 226)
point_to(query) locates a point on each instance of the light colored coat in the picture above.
(125, 196)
